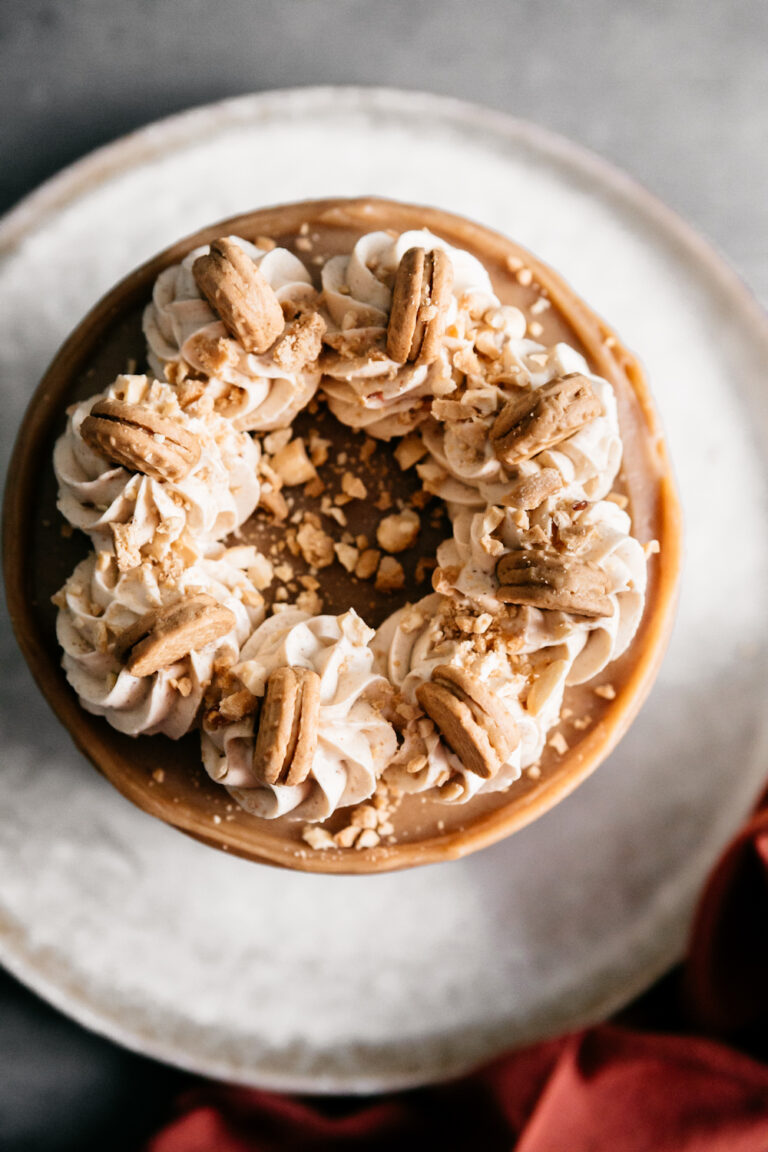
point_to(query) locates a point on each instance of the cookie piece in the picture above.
(240, 295)
(300, 343)
(531, 491)
(544, 580)
(536, 420)
(138, 439)
(288, 727)
(162, 637)
(420, 299)
(469, 718)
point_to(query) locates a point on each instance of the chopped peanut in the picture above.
(397, 532)
(292, 464)
(316, 546)
(348, 555)
(353, 486)
(367, 564)
(390, 576)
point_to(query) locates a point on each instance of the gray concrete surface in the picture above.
(674, 91)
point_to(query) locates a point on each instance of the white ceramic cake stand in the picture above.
(321, 983)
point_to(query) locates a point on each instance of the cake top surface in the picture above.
(369, 416)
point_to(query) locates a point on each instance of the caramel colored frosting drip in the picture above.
(540, 585)
(186, 338)
(355, 741)
(96, 495)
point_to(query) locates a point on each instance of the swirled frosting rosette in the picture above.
(598, 534)
(99, 610)
(528, 685)
(145, 515)
(463, 467)
(355, 741)
(184, 336)
(365, 387)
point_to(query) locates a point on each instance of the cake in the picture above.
(371, 542)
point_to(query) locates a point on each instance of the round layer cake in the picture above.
(370, 542)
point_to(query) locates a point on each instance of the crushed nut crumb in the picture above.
(558, 742)
(292, 464)
(390, 576)
(316, 546)
(367, 564)
(399, 531)
(353, 486)
(348, 556)
(317, 837)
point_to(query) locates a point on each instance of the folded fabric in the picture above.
(727, 966)
(603, 1089)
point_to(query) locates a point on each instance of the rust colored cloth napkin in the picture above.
(727, 966)
(607, 1089)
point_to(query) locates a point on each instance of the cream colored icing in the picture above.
(367, 389)
(355, 740)
(462, 467)
(526, 656)
(599, 533)
(97, 604)
(415, 640)
(254, 392)
(216, 497)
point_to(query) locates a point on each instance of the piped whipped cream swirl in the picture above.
(216, 497)
(600, 534)
(255, 392)
(355, 740)
(462, 467)
(98, 603)
(365, 388)
(415, 640)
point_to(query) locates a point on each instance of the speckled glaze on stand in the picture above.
(426, 831)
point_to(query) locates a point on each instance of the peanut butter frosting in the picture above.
(463, 467)
(539, 585)
(126, 510)
(99, 606)
(523, 661)
(365, 387)
(186, 337)
(355, 740)
(598, 534)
